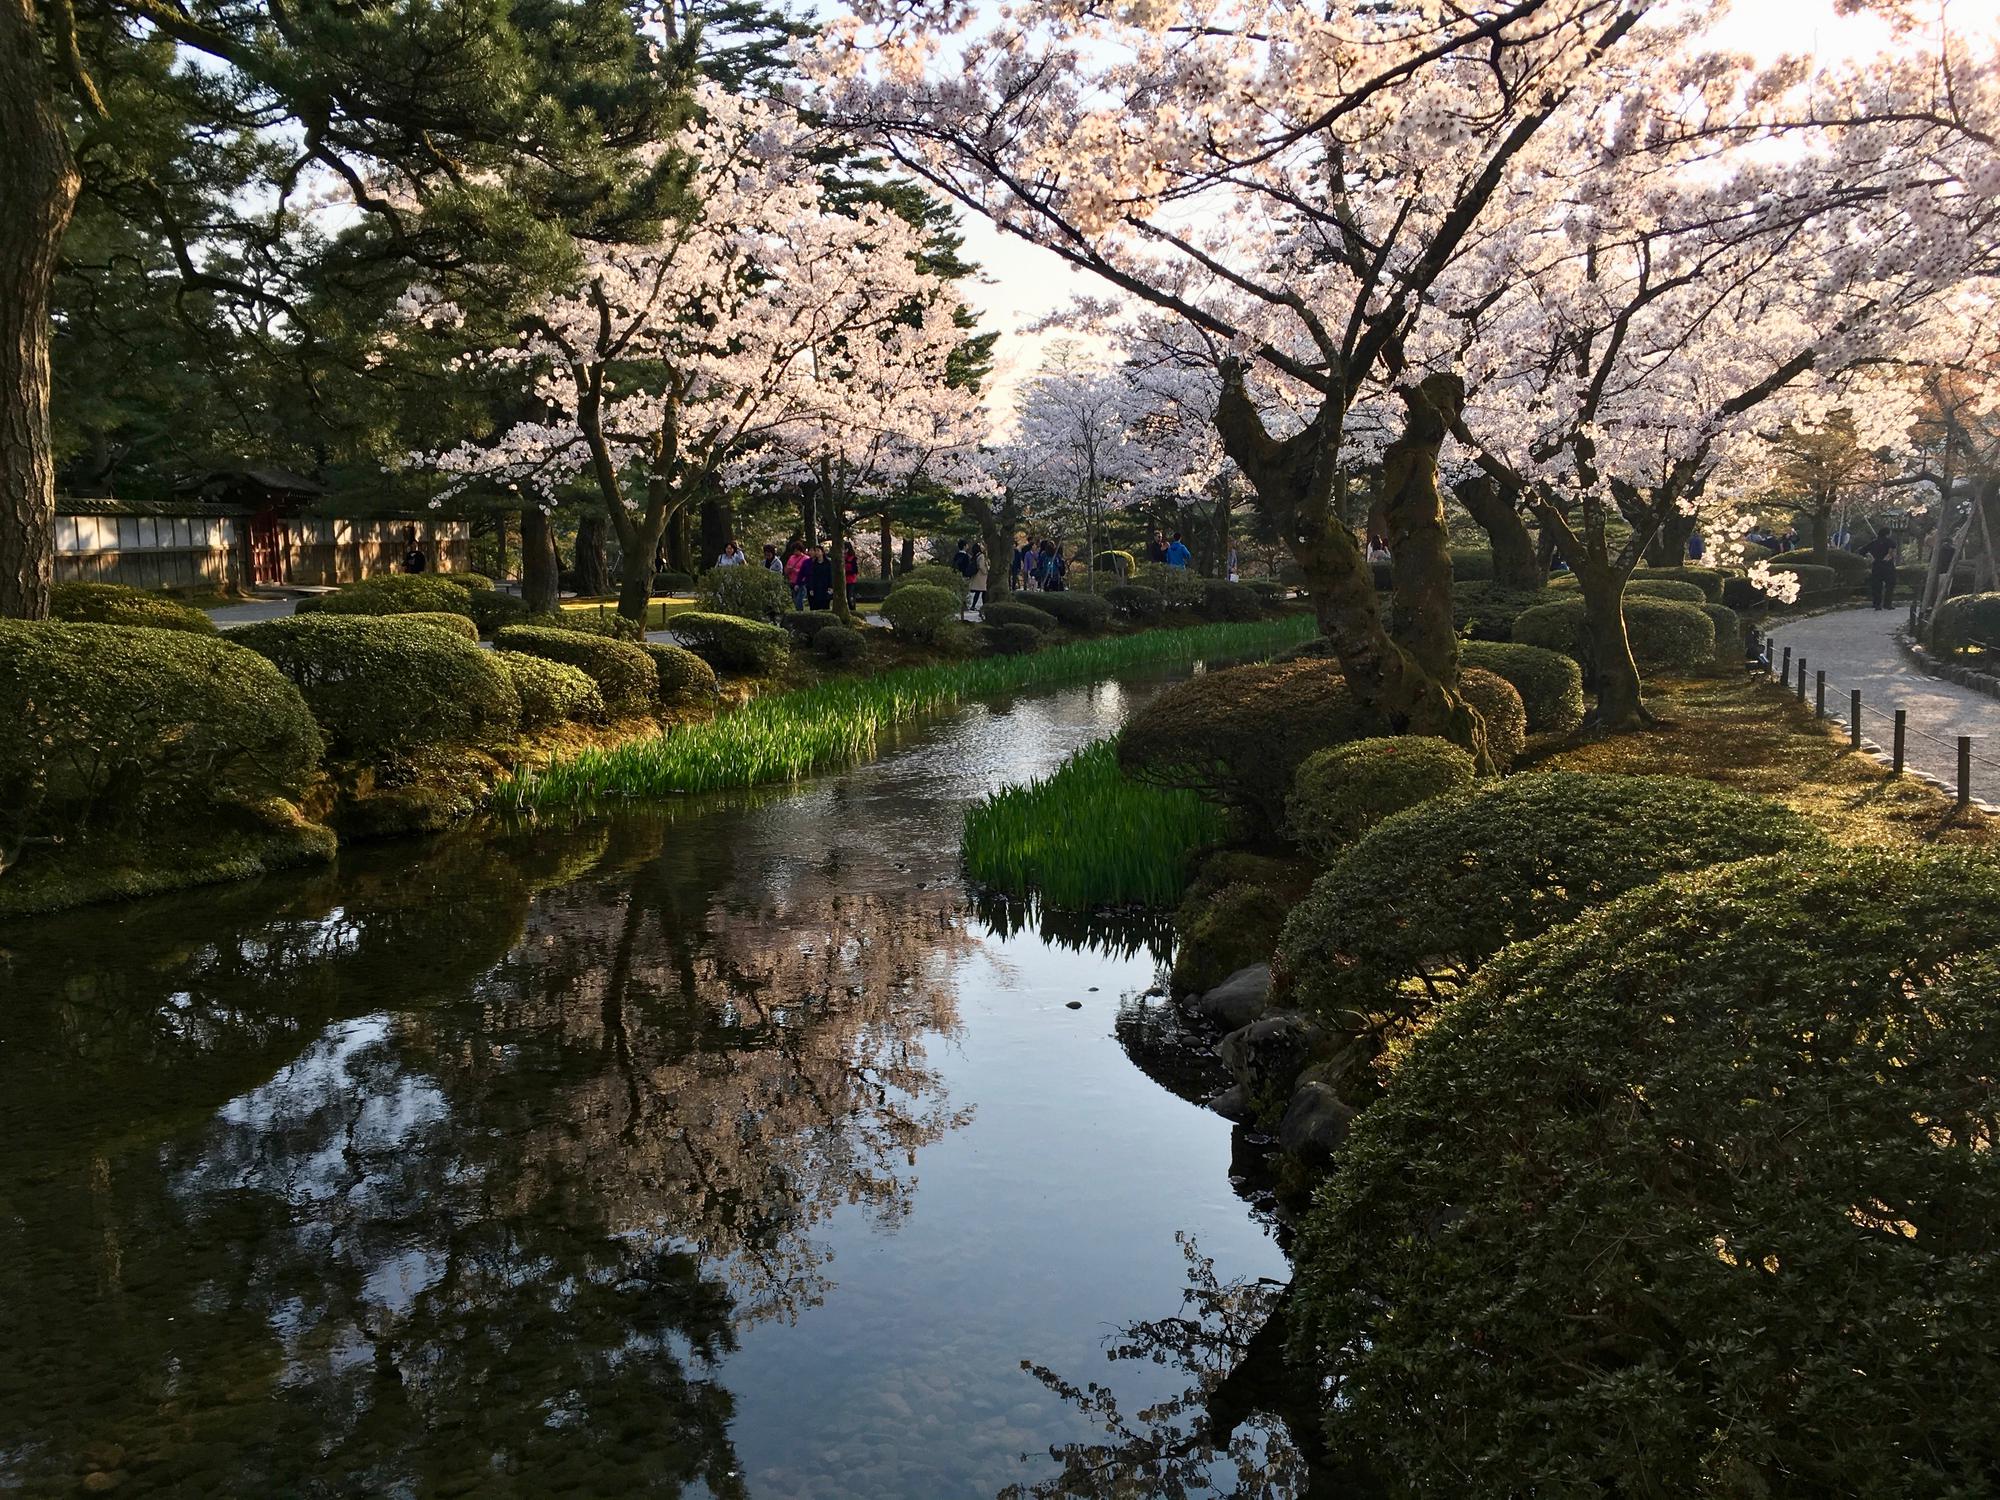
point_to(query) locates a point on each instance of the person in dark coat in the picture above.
(819, 580)
(1881, 555)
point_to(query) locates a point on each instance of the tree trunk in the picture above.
(635, 571)
(909, 554)
(1410, 686)
(1668, 548)
(538, 561)
(887, 542)
(680, 544)
(1517, 561)
(1614, 675)
(38, 187)
(1822, 522)
(998, 552)
(593, 572)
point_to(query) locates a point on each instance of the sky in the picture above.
(1025, 284)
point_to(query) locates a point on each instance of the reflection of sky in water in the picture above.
(880, 1355)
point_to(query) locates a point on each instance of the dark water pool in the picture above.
(721, 1150)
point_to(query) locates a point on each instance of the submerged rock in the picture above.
(1238, 1000)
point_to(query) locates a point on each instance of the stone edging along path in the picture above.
(1932, 665)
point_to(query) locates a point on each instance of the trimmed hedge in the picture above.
(1339, 794)
(382, 688)
(602, 622)
(1501, 707)
(1083, 613)
(1664, 588)
(840, 643)
(919, 611)
(1013, 639)
(1222, 600)
(1135, 602)
(1006, 613)
(472, 583)
(1849, 569)
(935, 575)
(1550, 684)
(1666, 634)
(1179, 588)
(492, 610)
(804, 625)
(1412, 910)
(730, 644)
(1487, 611)
(1472, 564)
(392, 594)
(673, 583)
(682, 675)
(869, 590)
(1238, 736)
(458, 625)
(1966, 620)
(1728, 625)
(116, 604)
(623, 672)
(754, 593)
(1274, 596)
(111, 727)
(1709, 1170)
(1708, 580)
(550, 691)
(1812, 579)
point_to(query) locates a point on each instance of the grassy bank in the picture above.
(1086, 837)
(789, 735)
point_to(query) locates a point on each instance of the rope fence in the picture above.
(1794, 678)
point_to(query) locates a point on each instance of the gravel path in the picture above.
(266, 607)
(1857, 648)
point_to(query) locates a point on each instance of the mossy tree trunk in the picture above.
(38, 188)
(538, 561)
(1408, 677)
(1517, 559)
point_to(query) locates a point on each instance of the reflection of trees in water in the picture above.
(1224, 1433)
(496, 1179)
(1125, 933)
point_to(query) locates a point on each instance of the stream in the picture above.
(716, 1149)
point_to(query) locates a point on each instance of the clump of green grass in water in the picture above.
(789, 735)
(1085, 836)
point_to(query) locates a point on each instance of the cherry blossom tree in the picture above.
(766, 320)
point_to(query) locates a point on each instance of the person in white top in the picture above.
(732, 555)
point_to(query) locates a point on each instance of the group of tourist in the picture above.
(807, 571)
(1171, 553)
(1039, 567)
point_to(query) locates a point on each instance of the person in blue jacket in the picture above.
(1178, 555)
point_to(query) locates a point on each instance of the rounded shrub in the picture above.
(1550, 684)
(491, 610)
(1708, 580)
(605, 622)
(1270, 593)
(394, 594)
(458, 625)
(673, 583)
(841, 643)
(1473, 564)
(1002, 612)
(1342, 792)
(732, 644)
(1664, 588)
(752, 593)
(1118, 564)
(116, 604)
(918, 611)
(1238, 736)
(1728, 634)
(1966, 620)
(1134, 602)
(1013, 639)
(1850, 569)
(110, 727)
(1222, 600)
(1487, 611)
(550, 691)
(1710, 1169)
(1179, 588)
(1665, 634)
(869, 590)
(1403, 919)
(932, 575)
(1080, 612)
(1812, 578)
(472, 583)
(683, 677)
(805, 625)
(1501, 707)
(623, 672)
(384, 688)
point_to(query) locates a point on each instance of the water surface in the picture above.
(715, 1150)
